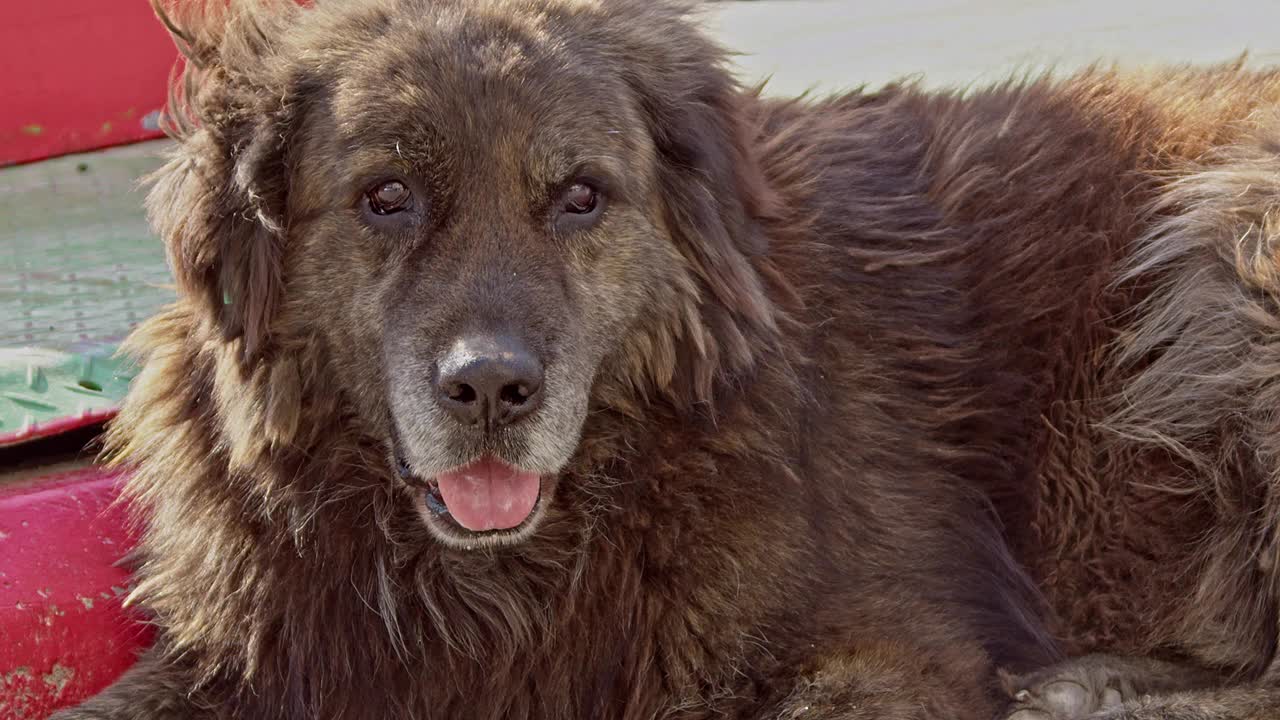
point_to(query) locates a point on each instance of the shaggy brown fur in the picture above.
(831, 385)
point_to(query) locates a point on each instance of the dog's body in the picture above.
(837, 372)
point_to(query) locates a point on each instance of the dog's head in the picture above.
(489, 216)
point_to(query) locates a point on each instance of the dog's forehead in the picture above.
(470, 87)
(477, 71)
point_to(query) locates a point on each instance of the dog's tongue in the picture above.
(489, 494)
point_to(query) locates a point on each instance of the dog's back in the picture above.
(1084, 273)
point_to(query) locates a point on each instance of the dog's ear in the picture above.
(715, 194)
(219, 203)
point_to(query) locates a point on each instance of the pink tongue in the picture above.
(489, 494)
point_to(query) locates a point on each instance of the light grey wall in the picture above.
(843, 43)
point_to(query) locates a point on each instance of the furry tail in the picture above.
(1200, 364)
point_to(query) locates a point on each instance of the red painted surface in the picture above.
(64, 634)
(55, 427)
(79, 75)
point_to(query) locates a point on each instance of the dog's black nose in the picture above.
(489, 380)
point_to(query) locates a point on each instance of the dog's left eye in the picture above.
(389, 197)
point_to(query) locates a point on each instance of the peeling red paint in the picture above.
(58, 644)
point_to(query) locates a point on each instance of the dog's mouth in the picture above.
(484, 498)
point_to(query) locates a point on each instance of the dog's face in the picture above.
(478, 223)
(481, 233)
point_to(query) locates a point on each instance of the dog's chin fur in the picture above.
(825, 383)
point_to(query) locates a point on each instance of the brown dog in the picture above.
(525, 366)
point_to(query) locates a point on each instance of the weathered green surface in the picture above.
(78, 269)
(78, 265)
(38, 387)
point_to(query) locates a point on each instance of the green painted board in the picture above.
(78, 265)
(79, 268)
(44, 392)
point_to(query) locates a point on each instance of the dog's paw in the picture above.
(1097, 686)
(1084, 689)
(1064, 700)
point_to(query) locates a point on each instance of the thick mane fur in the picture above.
(943, 383)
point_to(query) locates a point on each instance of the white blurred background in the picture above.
(840, 44)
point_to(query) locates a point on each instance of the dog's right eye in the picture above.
(389, 197)
(580, 199)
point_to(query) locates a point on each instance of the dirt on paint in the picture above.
(58, 677)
